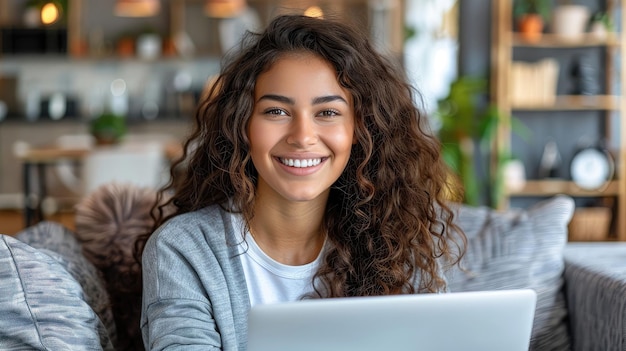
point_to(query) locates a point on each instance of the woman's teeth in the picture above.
(298, 163)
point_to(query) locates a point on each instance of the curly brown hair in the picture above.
(387, 218)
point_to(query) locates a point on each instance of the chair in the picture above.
(139, 159)
(68, 171)
(142, 163)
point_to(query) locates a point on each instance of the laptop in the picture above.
(483, 320)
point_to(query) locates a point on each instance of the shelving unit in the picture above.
(86, 19)
(507, 46)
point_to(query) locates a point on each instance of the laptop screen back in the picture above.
(486, 320)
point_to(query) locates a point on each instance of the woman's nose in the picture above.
(302, 132)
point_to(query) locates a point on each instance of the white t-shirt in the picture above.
(269, 281)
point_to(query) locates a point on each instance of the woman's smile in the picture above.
(303, 163)
(301, 167)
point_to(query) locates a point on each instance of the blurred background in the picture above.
(86, 85)
(66, 66)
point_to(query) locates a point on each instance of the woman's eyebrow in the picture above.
(278, 98)
(328, 98)
(290, 101)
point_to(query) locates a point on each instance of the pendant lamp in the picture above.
(224, 8)
(137, 8)
(50, 13)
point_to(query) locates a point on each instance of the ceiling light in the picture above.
(314, 11)
(224, 8)
(137, 8)
(49, 13)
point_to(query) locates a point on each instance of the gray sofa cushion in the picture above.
(520, 249)
(60, 243)
(43, 306)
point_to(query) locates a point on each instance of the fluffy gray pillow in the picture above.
(520, 249)
(108, 222)
(43, 306)
(60, 243)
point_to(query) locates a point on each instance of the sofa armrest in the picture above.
(58, 242)
(595, 287)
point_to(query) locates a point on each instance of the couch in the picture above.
(57, 293)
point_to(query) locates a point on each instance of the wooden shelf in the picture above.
(535, 92)
(556, 41)
(555, 187)
(576, 102)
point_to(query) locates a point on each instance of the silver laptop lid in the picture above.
(485, 321)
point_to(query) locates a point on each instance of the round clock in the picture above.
(592, 168)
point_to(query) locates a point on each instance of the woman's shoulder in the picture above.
(211, 224)
(211, 214)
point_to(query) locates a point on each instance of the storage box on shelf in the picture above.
(562, 115)
(590, 224)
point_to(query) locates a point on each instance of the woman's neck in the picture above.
(290, 233)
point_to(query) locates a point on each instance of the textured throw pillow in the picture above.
(108, 222)
(520, 249)
(60, 243)
(42, 305)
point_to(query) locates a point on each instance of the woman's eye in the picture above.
(329, 113)
(275, 111)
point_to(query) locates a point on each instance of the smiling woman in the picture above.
(310, 174)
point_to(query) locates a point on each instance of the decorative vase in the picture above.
(126, 47)
(149, 46)
(530, 27)
(570, 21)
(599, 30)
(583, 76)
(514, 173)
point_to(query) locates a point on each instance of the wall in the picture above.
(475, 37)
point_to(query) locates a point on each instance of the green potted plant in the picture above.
(530, 17)
(468, 127)
(108, 128)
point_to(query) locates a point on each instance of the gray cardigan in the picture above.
(194, 289)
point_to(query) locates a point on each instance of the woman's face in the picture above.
(301, 130)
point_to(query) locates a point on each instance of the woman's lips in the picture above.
(301, 166)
